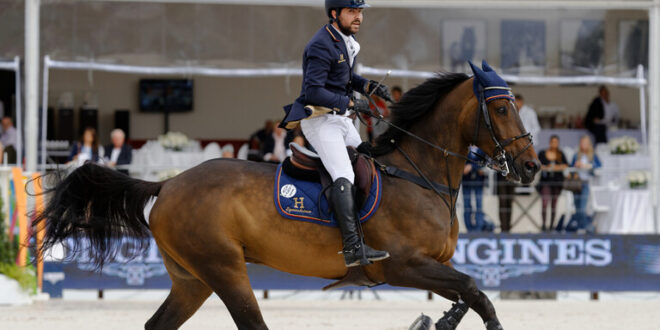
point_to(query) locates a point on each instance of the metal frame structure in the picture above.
(32, 9)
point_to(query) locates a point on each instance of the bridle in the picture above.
(501, 158)
(499, 162)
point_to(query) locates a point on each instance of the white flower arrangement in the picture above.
(168, 174)
(624, 145)
(638, 179)
(174, 140)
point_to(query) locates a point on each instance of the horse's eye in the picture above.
(501, 110)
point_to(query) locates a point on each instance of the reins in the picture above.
(499, 163)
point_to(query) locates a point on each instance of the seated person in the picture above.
(87, 149)
(227, 151)
(118, 152)
(276, 145)
(8, 140)
(257, 141)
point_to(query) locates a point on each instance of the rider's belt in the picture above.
(315, 111)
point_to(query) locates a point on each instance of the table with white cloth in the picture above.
(615, 168)
(629, 211)
(153, 162)
(571, 137)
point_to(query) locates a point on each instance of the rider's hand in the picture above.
(381, 91)
(361, 106)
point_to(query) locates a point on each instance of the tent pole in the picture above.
(44, 112)
(642, 106)
(654, 104)
(19, 113)
(31, 83)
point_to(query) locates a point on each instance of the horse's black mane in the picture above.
(414, 104)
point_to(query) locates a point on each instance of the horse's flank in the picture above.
(236, 208)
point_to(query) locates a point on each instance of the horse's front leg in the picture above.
(428, 274)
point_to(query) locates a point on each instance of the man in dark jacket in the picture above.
(602, 112)
(118, 152)
(329, 82)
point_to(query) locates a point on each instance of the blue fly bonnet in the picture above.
(488, 82)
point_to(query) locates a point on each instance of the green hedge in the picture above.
(25, 276)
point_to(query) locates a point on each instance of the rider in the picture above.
(329, 81)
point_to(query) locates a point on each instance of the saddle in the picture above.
(305, 164)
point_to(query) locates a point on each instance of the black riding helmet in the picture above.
(339, 4)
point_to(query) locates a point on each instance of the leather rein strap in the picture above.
(499, 163)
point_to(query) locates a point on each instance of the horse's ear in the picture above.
(486, 67)
(475, 69)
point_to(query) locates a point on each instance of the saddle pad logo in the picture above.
(288, 191)
(304, 200)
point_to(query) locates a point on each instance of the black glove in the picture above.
(364, 148)
(361, 106)
(382, 91)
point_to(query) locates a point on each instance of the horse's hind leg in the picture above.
(227, 276)
(431, 275)
(186, 296)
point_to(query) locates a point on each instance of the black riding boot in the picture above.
(343, 204)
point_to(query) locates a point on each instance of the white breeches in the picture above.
(330, 135)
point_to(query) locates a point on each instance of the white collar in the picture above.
(343, 36)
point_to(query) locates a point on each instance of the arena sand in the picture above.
(283, 314)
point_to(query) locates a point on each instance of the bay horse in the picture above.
(210, 220)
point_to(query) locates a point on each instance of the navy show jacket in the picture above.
(328, 78)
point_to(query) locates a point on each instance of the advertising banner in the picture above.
(530, 262)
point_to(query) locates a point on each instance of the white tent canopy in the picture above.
(652, 6)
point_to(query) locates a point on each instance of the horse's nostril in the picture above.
(531, 166)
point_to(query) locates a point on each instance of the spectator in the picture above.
(529, 119)
(257, 141)
(602, 113)
(275, 145)
(2, 109)
(397, 92)
(261, 135)
(118, 152)
(8, 137)
(8, 140)
(553, 163)
(505, 195)
(228, 151)
(299, 138)
(87, 149)
(585, 161)
(473, 184)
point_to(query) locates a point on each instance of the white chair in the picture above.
(599, 201)
(243, 152)
(569, 152)
(212, 151)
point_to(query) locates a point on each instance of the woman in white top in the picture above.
(585, 161)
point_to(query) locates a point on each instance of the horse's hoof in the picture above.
(444, 324)
(493, 325)
(423, 322)
(453, 317)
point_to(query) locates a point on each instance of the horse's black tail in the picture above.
(93, 208)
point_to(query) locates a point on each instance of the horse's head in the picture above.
(498, 130)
